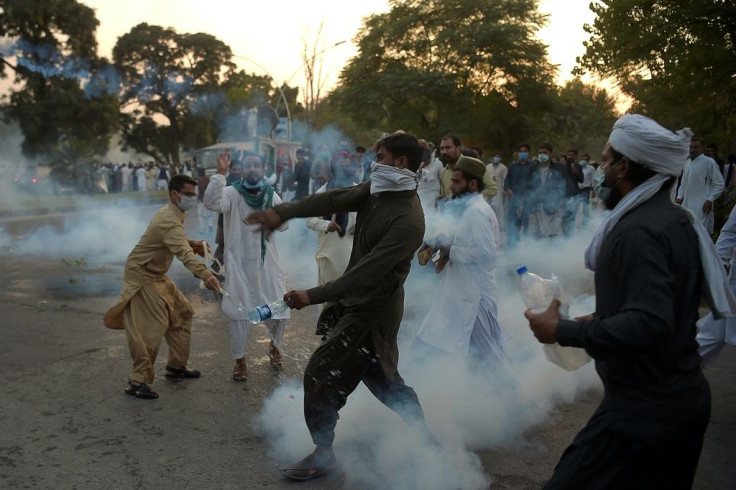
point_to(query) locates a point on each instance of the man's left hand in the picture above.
(707, 207)
(296, 299)
(544, 325)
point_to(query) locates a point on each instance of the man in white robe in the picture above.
(430, 173)
(701, 185)
(462, 319)
(715, 333)
(254, 276)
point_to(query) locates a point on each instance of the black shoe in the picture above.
(177, 373)
(141, 390)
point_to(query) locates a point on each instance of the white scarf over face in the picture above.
(385, 178)
(644, 141)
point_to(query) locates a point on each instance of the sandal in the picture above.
(309, 468)
(141, 390)
(177, 373)
(274, 356)
(240, 372)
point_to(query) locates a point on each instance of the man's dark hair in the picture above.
(359, 149)
(545, 146)
(638, 173)
(478, 150)
(585, 155)
(698, 140)
(713, 146)
(178, 182)
(301, 151)
(468, 177)
(470, 152)
(572, 150)
(252, 154)
(404, 145)
(455, 139)
(523, 145)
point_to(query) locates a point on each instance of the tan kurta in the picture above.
(150, 304)
(489, 191)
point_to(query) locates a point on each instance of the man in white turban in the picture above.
(653, 261)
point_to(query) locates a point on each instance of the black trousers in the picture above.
(345, 359)
(618, 451)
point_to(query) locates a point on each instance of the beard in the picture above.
(252, 178)
(613, 199)
(446, 159)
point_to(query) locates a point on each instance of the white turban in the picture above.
(644, 141)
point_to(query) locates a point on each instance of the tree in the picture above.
(582, 117)
(431, 66)
(165, 74)
(62, 91)
(676, 59)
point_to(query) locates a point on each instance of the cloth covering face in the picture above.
(250, 280)
(467, 293)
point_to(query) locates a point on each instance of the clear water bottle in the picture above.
(536, 292)
(264, 312)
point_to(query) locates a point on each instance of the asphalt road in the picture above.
(68, 424)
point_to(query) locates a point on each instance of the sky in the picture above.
(268, 37)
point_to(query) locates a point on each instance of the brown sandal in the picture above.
(240, 372)
(274, 356)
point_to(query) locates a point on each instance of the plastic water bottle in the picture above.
(264, 312)
(536, 292)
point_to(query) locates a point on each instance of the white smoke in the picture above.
(466, 408)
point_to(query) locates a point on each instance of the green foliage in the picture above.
(56, 69)
(429, 66)
(677, 59)
(165, 75)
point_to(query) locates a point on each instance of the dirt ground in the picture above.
(68, 424)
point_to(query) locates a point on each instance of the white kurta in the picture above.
(333, 252)
(499, 173)
(249, 281)
(701, 181)
(464, 308)
(713, 333)
(140, 175)
(428, 189)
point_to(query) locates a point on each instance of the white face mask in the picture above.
(583, 163)
(600, 176)
(187, 202)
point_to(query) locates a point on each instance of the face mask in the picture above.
(187, 202)
(523, 155)
(600, 176)
(583, 163)
(496, 159)
(543, 157)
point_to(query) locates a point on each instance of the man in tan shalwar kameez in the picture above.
(150, 306)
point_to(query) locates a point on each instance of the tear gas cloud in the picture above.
(466, 407)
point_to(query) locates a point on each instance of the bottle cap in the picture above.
(521, 270)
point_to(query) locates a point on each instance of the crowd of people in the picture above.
(376, 210)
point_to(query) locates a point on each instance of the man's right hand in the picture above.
(223, 162)
(268, 220)
(332, 227)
